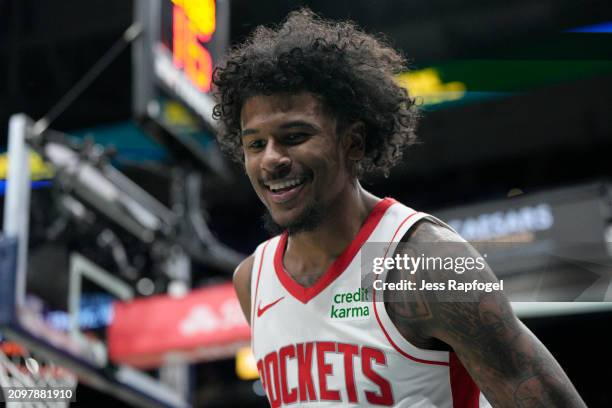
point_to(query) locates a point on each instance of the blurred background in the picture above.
(517, 113)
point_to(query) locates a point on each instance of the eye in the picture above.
(256, 144)
(295, 137)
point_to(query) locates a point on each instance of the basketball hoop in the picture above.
(19, 368)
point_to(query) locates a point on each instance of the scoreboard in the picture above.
(181, 42)
(186, 34)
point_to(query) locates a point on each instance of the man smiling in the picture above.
(309, 108)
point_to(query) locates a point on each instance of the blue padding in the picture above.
(35, 185)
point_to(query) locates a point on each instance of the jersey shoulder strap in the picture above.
(263, 255)
(402, 218)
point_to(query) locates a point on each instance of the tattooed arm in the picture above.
(508, 363)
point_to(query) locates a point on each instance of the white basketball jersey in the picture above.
(322, 346)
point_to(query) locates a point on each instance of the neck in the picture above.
(315, 250)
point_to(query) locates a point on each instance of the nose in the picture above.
(275, 159)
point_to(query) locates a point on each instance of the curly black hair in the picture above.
(352, 71)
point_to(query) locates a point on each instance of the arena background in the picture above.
(517, 100)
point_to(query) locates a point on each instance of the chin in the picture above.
(286, 220)
(306, 219)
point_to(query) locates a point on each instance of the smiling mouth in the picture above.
(285, 185)
(285, 190)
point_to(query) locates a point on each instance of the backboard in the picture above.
(62, 318)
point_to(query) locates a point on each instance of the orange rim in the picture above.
(10, 348)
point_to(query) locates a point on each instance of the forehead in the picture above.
(261, 110)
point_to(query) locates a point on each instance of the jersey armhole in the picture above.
(258, 258)
(394, 337)
(258, 261)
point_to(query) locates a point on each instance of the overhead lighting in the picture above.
(428, 86)
(595, 28)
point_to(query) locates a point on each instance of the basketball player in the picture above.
(309, 108)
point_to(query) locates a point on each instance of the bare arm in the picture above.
(242, 285)
(508, 363)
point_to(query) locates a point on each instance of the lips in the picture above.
(284, 184)
(283, 191)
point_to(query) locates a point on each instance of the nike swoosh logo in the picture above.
(262, 310)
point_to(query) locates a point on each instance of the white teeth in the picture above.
(285, 184)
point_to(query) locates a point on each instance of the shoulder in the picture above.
(242, 284)
(430, 237)
(444, 256)
(242, 273)
(446, 261)
(431, 230)
(507, 362)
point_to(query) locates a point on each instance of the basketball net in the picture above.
(21, 369)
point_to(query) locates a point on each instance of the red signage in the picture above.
(206, 324)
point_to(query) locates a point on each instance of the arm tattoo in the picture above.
(509, 364)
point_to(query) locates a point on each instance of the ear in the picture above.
(354, 141)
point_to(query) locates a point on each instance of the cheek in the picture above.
(331, 168)
(250, 168)
(333, 160)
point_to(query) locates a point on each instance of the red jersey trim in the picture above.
(398, 229)
(305, 294)
(396, 347)
(382, 327)
(254, 303)
(464, 390)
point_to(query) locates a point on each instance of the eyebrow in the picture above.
(284, 126)
(247, 132)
